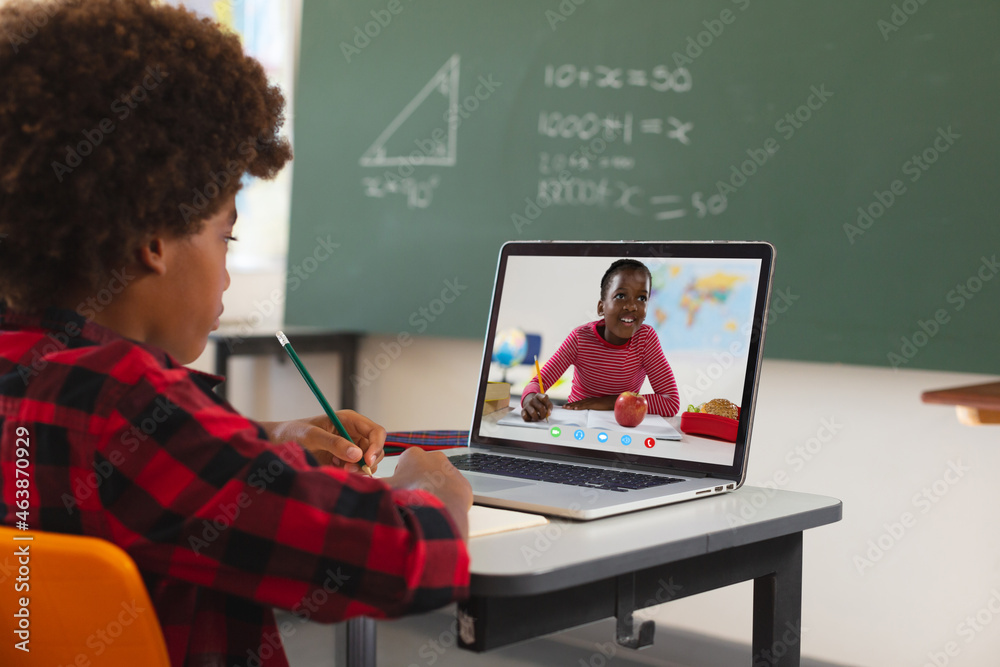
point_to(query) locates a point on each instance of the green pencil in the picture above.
(283, 339)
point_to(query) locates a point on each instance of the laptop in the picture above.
(707, 309)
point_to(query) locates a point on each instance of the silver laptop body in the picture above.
(708, 307)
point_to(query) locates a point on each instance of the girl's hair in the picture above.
(621, 265)
(119, 119)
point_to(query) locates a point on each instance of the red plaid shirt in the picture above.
(129, 446)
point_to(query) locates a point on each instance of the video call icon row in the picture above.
(602, 437)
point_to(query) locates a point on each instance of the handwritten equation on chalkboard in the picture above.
(440, 149)
(599, 143)
(660, 78)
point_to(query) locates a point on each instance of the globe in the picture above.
(510, 347)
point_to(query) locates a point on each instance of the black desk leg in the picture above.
(627, 632)
(222, 354)
(360, 648)
(777, 607)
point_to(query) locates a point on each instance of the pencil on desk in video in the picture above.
(283, 339)
(541, 387)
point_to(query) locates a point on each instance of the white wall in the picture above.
(859, 434)
(884, 448)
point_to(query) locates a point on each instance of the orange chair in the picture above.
(85, 604)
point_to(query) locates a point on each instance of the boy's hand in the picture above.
(433, 472)
(536, 408)
(319, 436)
(594, 403)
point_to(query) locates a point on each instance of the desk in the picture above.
(232, 342)
(976, 404)
(537, 581)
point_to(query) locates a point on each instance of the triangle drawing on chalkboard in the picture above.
(429, 150)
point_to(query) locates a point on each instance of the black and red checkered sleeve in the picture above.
(196, 493)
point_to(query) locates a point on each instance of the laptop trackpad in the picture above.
(489, 484)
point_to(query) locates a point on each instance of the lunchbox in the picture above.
(703, 423)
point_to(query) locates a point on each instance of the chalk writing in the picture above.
(418, 193)
(714, 205)
(660, 78)
(554, 163)
(441, 89)
(632, 199)
(585, 127)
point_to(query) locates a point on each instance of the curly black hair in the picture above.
(621, 265)
(118, 119)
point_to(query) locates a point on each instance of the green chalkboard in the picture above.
(859, 137)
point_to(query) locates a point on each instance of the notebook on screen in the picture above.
(680, 323)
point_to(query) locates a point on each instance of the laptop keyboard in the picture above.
(560, 473)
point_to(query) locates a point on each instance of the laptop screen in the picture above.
(681, 324)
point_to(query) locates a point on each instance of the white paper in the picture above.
(559, 417)
(654, 425)
(490, 520)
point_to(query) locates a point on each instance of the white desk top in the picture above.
(565, 553)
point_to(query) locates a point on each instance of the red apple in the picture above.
(630, 408)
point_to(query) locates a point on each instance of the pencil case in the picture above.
(702, 423)
(397, 441)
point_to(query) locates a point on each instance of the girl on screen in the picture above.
(610, 355)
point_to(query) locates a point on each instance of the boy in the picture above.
(125, 129)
